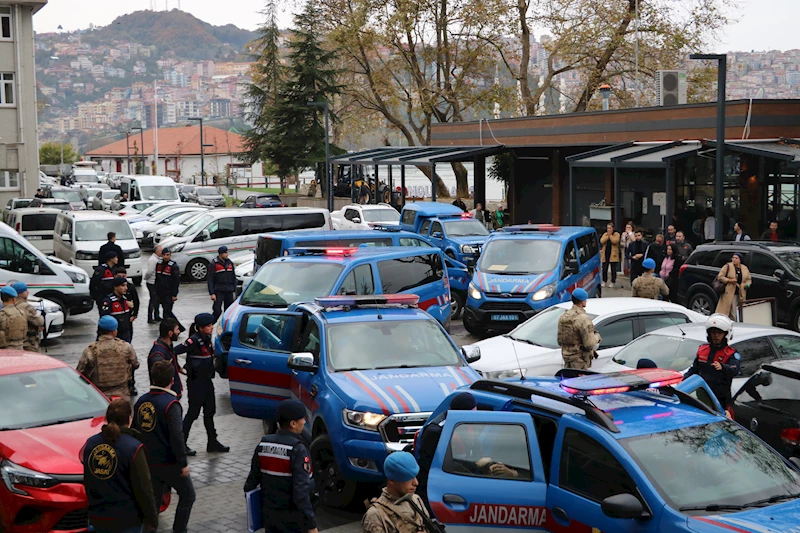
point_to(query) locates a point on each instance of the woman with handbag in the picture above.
(735, 279)
(670, 270)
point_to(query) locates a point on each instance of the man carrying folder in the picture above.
(282, 466)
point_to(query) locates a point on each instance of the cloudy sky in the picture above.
(762, 24)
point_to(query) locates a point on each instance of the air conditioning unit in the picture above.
(671, 88)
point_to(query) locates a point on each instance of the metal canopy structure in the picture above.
(424, 156)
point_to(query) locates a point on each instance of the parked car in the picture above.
(84, 176)
(532, 348)
(775, 268)
(150, 226)
(55, 203)
(134, 208)
(177, 225)
(207, 196)
(185, 190)
(15, 203)
(105, 198)
(65, 193)
(35, 224)
(53, 317)
(263, 200)
(357, 216)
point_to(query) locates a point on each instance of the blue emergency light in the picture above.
(619, 382)
(409, 300)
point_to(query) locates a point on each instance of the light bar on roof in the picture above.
(619, 382)
(366, 301)
(466, 215)
(331, 251)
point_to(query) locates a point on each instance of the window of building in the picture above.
(9, 179)
(5, 23)
(7, 88)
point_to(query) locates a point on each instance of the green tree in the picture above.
(50, 154)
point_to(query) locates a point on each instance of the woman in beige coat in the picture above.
(737, 280)
(609, 254)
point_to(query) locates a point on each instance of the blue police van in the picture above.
(448, 227)
(631, 452)
(369, 370)
(525, 269)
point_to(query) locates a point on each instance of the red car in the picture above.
(48, 412)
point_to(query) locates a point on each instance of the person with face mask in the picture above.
(717, 362)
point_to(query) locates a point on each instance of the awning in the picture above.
(787, 150)
(417, 155)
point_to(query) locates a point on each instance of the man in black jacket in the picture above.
(157, 416)
(635, 252)
(101, 284)
(168, 281)
(221, 281)
(111, 246)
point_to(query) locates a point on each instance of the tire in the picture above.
(472, 328)
(456, 305)
(197, 269)
(137, 281)
(701, 302)
(334, 490)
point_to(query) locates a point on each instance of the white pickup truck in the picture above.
(356, 216)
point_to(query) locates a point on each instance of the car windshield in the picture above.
(381, 215)
(542, 329)
(389, 344)
(197, 225)
(169, 216)
(35, 399)
(97, 230)
(110, 195)
(673, 352)
(188, 188)
(280, 284)
(719, 464)
(792, 260)
(22, 203)
(465, 228)
(520, 256)
(178, 218)
(158, 192)
(86, 178)
(61, 204)
(207, 191)
(70, 196)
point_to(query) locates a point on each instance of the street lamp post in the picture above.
(141, 148)
(202, 151)
(719, 190)
(128, 150)
(328, 177)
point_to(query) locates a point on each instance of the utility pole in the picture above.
(328, 176)
(155, 124)
(202, 151)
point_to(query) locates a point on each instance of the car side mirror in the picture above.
(780, 274)
(471, 353)
(36, 268)
(622, 506)
(436, 234)
(225, 340)
(356, 220)
(302, 362)
(66, 237)
(763, 379)
(573, 266)
(204, 236)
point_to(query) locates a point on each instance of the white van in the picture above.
(159, 188)
(84, 176)
(80, 234)
(46, 277)
(238, 229)
(36, 224)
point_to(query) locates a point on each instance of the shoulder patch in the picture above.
(737, 356)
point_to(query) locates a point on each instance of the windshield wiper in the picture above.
(401, 366)
(63, 421)
(713, 507)
(520, 339)
(773, 499)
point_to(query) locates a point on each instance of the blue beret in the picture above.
(222, 249)
(119, 281)
(649, 264)
(580, 294)
(108, 323)
(463, 401)
(203, 319)
(20, 287)
(165, 251)
(9, 291)
(289, 410)
(401, 467)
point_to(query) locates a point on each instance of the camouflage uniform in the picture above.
(13, 327)
(35, 322)
(383, 516)
(108, 364)
(577, 338)
(648, 286)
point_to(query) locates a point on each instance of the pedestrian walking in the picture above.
(609, 254)
(636, 251)
(670, 270)
(385, 514)
(648, 285)
(199, 380)
(221, 282)
(656, 251)
(153, 313)
(110, 246)
(109, 362)
(117, 305)
(35, 320)
(477, 213)
(772, 233)
(684, 248)
(739, 234)
(168, 281)
(459, 203)
(281, 466)
(116, 476)
(164, 349)
(737, 280)
(717, 362)
(576, 335)
(157, 417)
(101, 284)
(625, 239)
(13, 323)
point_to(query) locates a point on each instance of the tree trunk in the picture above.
(441, 188)
(525, 43)
(462, 187)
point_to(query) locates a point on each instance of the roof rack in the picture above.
(761, 244)
(384, 227)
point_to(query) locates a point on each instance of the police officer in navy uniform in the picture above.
(221, 281)
(282, 466)
(199, 380)
(716, 362)
(117, 305)
(100, 285)
(157, 416)
(116, 476)
(168, 281)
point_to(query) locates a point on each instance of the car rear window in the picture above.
(41, 222)
(702, 258)
(406, 273)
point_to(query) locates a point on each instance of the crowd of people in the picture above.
(491, 219)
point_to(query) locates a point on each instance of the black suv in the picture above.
(775, 268)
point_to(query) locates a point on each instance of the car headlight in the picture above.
(467, 249)
(76, 277)
(14, 475)
(86, 256)
(363, 420)
(544, 292)
(474, 293)
(133, 255)
(52, 309)
(177, 247)
(514, 373)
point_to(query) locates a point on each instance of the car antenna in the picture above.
(677, 324)
(519, 366)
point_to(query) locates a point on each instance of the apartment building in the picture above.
(19, 154)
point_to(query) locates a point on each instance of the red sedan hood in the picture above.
(50, 449)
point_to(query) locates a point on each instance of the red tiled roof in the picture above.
(176, 141)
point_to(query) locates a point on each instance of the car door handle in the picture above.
(560, 515)
(243, 361)
(454, 499)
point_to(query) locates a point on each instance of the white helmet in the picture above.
(720, 322)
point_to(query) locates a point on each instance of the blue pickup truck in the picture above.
(460, 236)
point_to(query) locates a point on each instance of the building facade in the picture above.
(19, 154)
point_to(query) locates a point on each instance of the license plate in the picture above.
(504, 318)
(34, 237)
